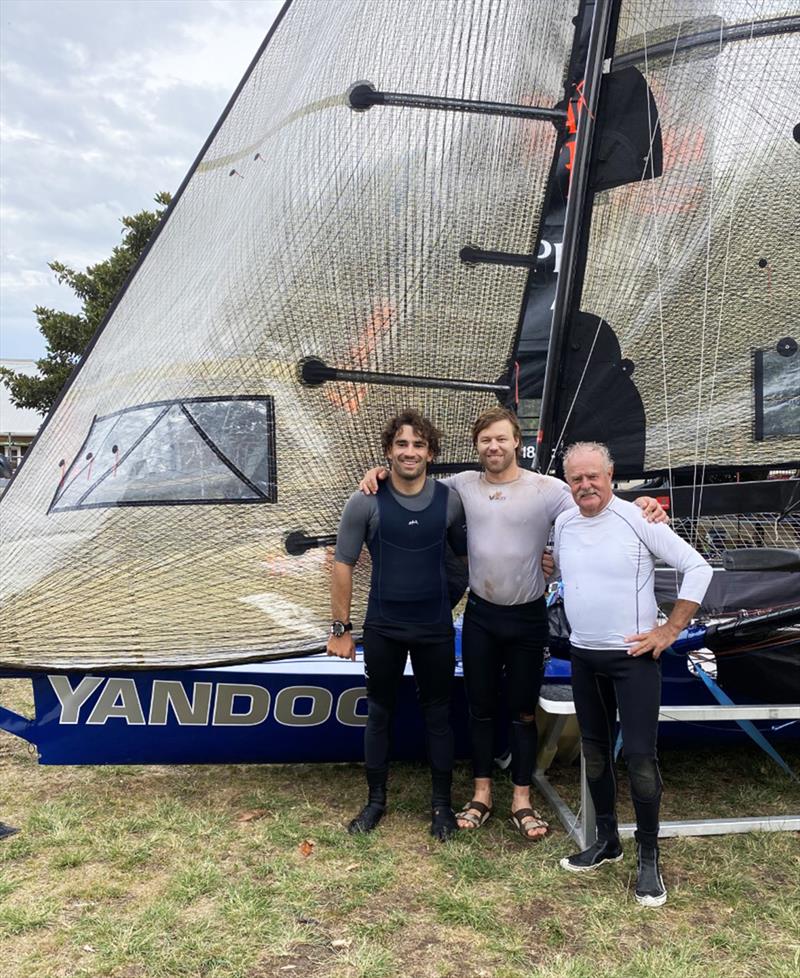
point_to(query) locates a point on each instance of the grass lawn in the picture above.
(144, 872)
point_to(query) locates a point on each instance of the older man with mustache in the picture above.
(607, 554)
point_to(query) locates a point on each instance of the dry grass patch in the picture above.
(149, 872)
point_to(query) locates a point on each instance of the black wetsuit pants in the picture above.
(433, 664)
(604, 681)
(496, 638)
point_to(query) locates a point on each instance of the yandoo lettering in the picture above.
(202, 704)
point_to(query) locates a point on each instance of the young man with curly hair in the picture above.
(406, 527)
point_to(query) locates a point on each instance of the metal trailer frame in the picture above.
(582, 827)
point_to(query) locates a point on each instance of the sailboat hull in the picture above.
(305, 710)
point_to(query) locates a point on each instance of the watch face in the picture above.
(337, 629)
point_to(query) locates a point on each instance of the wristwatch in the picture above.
(338, 628)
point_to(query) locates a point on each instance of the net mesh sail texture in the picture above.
(148, 526)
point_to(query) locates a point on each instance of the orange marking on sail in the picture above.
(351, 396)
(572, 122)
(683, 147)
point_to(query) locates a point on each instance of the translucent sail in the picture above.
(696, 271)
(148, 525)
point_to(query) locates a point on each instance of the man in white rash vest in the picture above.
(606, 555)
(509, 512)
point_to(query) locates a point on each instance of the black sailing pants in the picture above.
(604, 680)
(497, 637)
(433, 664)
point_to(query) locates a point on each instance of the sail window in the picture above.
(776, 374)
(200, 450)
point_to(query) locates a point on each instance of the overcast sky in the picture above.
(104, 103)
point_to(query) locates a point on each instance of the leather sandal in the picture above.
(476, 821)
(525, 819)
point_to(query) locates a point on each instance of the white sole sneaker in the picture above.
(651, 901)
(566, 864)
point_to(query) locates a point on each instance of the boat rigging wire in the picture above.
(726, 265)
(703, 324)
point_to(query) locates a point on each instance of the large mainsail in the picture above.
(149, 525)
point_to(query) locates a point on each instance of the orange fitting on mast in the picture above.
(575, 106)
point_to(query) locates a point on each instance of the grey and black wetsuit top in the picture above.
(408, 538)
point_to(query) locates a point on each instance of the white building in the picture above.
(18, 426)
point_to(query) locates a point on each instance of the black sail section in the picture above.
(607, 406)
(307, 230)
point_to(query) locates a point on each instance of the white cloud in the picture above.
(99, 114)
(17, 134)
(25, 280)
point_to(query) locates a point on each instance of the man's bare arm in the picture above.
(342, 646)
(662, 636)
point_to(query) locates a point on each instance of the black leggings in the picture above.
(603, 681)
(497, 637)
(433, 664)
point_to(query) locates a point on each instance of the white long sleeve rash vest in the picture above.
(607, 563)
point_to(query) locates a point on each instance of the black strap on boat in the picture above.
(475, 256)
(363, 95)
(314, 372)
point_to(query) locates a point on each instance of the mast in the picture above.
(574, 220)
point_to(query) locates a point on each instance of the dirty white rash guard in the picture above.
(607, 563)
(508, 524)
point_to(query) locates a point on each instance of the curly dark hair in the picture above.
(490, 417)
(421, 426)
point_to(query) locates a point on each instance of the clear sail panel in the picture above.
(307, 229)
(696, 271)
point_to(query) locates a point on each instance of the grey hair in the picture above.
(591, 446)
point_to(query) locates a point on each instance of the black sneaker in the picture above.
(603, 851)
(650, 889)
(367, 819)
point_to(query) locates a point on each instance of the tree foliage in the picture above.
(68, 334)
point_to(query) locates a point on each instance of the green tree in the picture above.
(67, 334)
